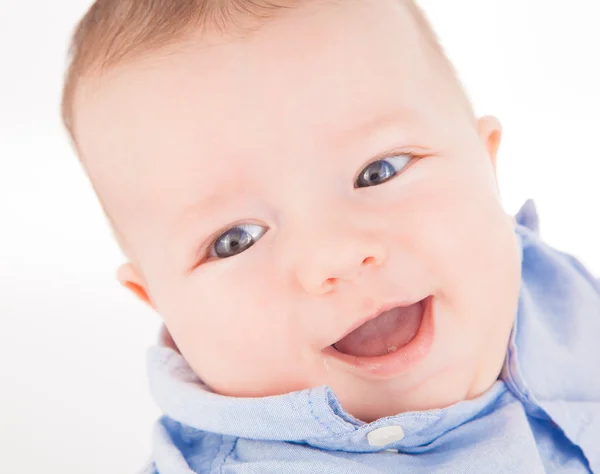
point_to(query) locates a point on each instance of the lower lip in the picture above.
(398, 362)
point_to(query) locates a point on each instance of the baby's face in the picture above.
(349, 176)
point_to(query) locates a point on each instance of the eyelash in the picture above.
(205, 249)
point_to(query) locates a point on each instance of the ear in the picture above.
(489, 130)
(131, 279)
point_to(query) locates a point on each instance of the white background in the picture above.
(73, 395)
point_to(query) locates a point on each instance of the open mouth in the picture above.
(388, 332)
(392, 343)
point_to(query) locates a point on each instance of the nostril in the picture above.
(328, 285)
(368, 261)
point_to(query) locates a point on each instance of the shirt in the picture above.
(541, 415)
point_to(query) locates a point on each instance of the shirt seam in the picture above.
(316, 417)
(523, 395)
(227, 456)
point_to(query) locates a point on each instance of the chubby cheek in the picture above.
(232, 329)
(468, 244)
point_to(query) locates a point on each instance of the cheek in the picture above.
(458, 209)
(233, 304)
(461, 231)
(239, 344)
(231, 310)
(468, 245)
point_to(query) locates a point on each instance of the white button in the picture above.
(385, 435)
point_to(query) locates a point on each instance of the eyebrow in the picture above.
(178, 227)
(205, 201)
(380, 121)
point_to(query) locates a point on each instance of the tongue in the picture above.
(386, 333)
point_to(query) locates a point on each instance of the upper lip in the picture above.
(380, 309)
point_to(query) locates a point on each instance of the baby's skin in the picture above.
(276, 193)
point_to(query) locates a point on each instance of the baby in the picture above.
(305, 196)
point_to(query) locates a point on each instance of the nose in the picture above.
(336, 255)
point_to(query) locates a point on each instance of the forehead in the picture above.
(154, 133)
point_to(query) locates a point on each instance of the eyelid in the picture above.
(411, 152)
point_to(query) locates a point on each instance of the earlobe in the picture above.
(490, 133)
(131, 279)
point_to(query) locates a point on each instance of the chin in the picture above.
(442, 389)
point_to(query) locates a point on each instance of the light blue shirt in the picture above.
(541, 415)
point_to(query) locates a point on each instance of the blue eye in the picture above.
(236, 240)
(382, 170)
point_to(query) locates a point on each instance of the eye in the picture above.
(382, 170)
(236, 240)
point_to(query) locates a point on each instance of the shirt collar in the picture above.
(313, 416)
(554, 339)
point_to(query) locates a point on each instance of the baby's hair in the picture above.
(114, 32)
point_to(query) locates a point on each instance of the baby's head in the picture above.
(276, 172)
